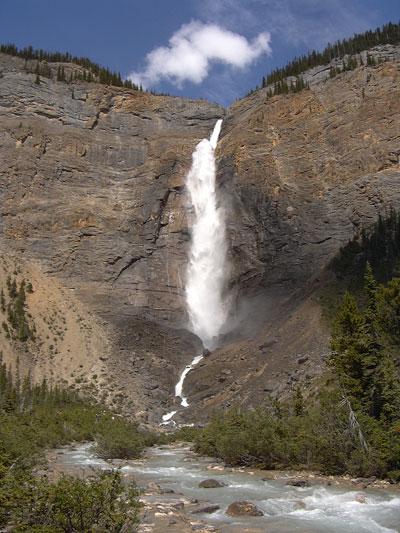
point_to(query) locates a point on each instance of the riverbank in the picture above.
(169, 478)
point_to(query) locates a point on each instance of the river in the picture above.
(170, 476)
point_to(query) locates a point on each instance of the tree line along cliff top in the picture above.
(91, 71)
(387, 34)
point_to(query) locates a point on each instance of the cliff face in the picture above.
(92, 196)
(305, 172)
(91, 190)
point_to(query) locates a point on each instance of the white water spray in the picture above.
(167, 419)
(207, 268)
(179, 385)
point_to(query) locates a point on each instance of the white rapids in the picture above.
(179, 385)
(207, 267)
(287, 509)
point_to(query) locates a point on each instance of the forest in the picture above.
(92, 72)
(36, 417)
(277, 81)
(350, 422)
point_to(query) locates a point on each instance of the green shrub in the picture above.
(100, 503)
(37, 417)
(183, 434)
(353, 426)
(117, 438)
(394, 476)
(322, 439)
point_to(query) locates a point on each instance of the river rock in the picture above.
(243, 508)
(208, 509)
(361, 498)
(299, 483)
(302, 359)
(178, 506)
(211, 484)
(300, 504)
(364, 480)
(153, 487)
(167, 491)
(203, 528)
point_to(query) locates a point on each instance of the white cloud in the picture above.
(192, 50)
(298, 22)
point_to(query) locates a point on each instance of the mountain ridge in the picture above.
(92, 191)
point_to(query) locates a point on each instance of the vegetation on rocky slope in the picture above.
(35, 417)
(379, 246)
(387, 34)
(353, 424)
(17, 326)
(91, 71)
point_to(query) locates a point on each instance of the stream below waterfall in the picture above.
(170, 477)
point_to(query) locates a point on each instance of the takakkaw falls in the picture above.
(207, 268)
(200, 301)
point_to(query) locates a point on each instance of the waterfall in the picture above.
(207, 269)
(207, 265)
(179, 385)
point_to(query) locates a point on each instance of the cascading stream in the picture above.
(207, 266)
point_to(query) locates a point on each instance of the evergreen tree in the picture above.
(363, 341)
(388, 313)
(373, 353)
(388, 34)
(92, 70)
(349, 345)
(299, 406)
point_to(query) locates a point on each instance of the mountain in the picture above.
(93, 215)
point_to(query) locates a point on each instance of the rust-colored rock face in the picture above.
(91, 185)
(304, 173)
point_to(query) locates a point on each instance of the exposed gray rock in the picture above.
(207, 509)
(299, 483)
(91, 188)
(211, 484)
(243, 508)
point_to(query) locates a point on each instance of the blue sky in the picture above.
(219, 49)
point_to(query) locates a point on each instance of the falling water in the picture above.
(207, 267)
(179, 385)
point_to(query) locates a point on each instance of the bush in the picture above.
(117, 438)
(100, 503)
(320, 439)
(36, 417)
(183, 434)
(394, 476)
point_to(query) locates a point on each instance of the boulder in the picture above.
(243, 508)
(208, 509)
(299, 483)
(361, 498)
(364, 480)
(211, 484)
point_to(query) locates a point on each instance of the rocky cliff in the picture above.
(92, 200)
